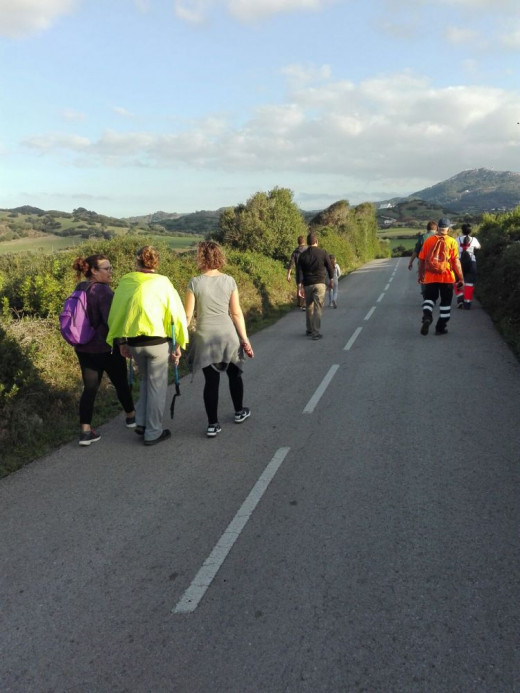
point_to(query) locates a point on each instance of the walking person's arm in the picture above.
(237, 316)
(189, 306)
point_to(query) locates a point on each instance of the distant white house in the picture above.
(386, 205)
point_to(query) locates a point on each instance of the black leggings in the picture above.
(236, 389)
(92, 368)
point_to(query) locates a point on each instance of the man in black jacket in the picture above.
(313, 267)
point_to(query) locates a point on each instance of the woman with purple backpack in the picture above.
(96, 356)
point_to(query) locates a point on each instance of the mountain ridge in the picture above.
(469, 192)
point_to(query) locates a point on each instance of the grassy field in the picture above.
(398, 236)
(395, 231)
(178, 242)
(45, 244)
(50, 244)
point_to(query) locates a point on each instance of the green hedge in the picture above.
(498, 282)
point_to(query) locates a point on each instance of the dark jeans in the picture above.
(92, 368)
(431, 293)
(236, 389)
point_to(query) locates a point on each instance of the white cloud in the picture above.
(142, 5)
(389, 128)
(71, 115)
(24, 17)
(472, 5)
(511, 39)
(43, 144)
(123, 112)
(193, 11)
(251, 10)
(460, 35)
(486, 5)
(197, 11)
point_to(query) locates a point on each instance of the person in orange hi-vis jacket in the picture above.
(439, 268)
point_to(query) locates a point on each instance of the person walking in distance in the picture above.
(467, 246)
(300, 300)
(431, 230)
(439, 268)
(333, 293)
(314, 272)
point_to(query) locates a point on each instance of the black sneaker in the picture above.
(425, 325)
(317, 336)
(87, 437)
(130, 422)
(242, 415)
(140, 430)
(164, 436)
(213, 430)
(441, 330)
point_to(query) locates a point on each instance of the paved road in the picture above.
(358, 533)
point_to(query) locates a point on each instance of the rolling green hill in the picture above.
(465, 196)
(471, 192)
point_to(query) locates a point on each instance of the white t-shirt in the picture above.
(473, 245)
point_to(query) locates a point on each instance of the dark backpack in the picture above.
(75, 325)
(465, 257)
(437, 259)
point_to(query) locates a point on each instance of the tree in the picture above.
(269, 223)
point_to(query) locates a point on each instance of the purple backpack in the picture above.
(75, 325)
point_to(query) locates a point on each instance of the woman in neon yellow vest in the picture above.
(144, 308)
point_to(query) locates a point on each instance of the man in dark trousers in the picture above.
(315, 272)
(300, 300)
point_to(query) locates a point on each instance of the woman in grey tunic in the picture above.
(220, 338)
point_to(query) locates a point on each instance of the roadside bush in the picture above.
(273, 292)
(498, 283)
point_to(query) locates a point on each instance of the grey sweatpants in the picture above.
(152, 362)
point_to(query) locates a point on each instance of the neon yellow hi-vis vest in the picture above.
(146, 304)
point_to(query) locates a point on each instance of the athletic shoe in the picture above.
(242, 415)
(425, 325)
(308, 333)
(87, 437)
(467, 306)
(441, 330)
(164, 436)
(460, 305)
(140, 430)
(334, 304)
(315, 337)
(130, 422)
(213, 429)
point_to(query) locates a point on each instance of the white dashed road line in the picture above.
(201, 582)
(351, 341)
(311, 404)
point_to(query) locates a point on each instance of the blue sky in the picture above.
(128, 107)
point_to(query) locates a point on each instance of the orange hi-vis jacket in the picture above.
(447, 277)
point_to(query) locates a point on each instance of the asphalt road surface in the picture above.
(359, 532)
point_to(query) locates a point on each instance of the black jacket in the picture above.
(313, 266)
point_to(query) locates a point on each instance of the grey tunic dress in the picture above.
(215, 340)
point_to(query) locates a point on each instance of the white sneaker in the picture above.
(242, 415)
(213, 429)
